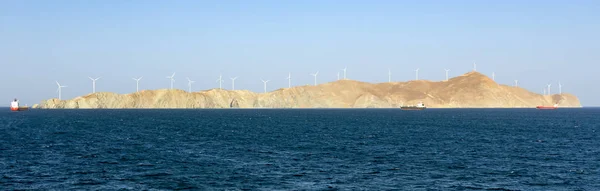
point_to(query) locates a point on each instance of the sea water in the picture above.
(300, 149)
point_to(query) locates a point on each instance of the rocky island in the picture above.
(471, 90)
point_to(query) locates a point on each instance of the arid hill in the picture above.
(471, 90)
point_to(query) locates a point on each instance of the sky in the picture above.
(537, 42)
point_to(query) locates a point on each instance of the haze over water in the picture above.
(314, 149)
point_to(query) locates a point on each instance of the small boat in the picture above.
(555, 106)
(419, 106)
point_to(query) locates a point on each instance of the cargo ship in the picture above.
(555, 106)
(14, 106)
(419, 106)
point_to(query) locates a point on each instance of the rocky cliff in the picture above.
(471, 90)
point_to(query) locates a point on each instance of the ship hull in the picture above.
(19, 108)
(412, 108)
(545, 107)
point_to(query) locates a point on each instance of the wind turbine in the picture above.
(417, 74)
(389, 75)
(446, 73)
(494, 76)
(559, 88)
(233, 83)
(220, 80)
(265, 84)
(94, 84)
(172, 80)
(516, 83)
(338, 76)
(190, 84)
(59, 90)
(289, 78)
(137, 84)
(549, 88)
(315, 75)
(344, 72)
(474, 66)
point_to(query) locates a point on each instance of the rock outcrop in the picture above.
(471, 90)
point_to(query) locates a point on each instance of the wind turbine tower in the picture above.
(233, 83)
(516, 83)
(549, 88)
(289, 78)
(172, 79)
(494, 76)
(447, 74)
(344, 72)
(474, 66)
(389, 75)
(59, 90)
(315, 75)
(137, 84)
(220, 80)
(265, 84)
(190, 84)
(94, 84)
(338, 76)
(559, 88)
(417, 74)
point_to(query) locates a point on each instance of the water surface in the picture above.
(303, 149)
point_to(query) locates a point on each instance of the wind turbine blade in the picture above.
(91, 78)
(57, 83)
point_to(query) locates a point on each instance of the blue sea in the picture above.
(300, 149)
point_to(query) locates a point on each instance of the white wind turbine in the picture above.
(559, 88)
(447, 70)
(265, 84)
(94, 84)
(344, 72)
(417, 74)
(220, 80)
(190, 84)
(549, 88)
(544, 90)
(516, 83)
(172, 79)
(389, 75)
(233, 82)
(289, 78)
(494, 76)
(474, 66)
(59, 90)
(338, 76)
(315, 75)
(137, 84)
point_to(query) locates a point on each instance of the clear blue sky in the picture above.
(536, 42)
